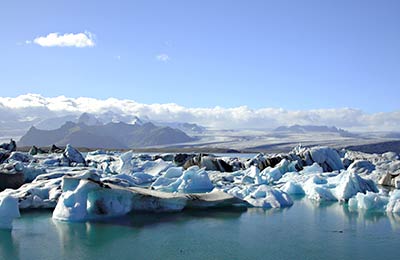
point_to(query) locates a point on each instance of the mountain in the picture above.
(185, 127)
(89, 119)
(299, 129)
(112, 135)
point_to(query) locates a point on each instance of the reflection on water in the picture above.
(8, 246)
(307, 229)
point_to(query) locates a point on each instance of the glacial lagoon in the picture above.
(307, 230)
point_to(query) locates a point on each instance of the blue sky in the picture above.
(290, 54)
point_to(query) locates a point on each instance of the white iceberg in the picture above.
(193, 180)
(349, 184)
(293, 188)
(8, 211)
(314, 168)
(369, 201)
(73, 156)
(394, 202)
(266, 197)
(84, 199)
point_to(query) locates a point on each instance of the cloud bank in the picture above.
(33, 107)
(79, 40)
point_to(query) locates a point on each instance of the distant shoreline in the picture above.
(378, 147)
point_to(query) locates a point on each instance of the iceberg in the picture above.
(349, 184)
(314, 168)
(393, 205)
(369, 201)
(361, 167)
(84, 199)
(317, 188)
(193, 180)
(267, 197)
(293, 188)
(8, 211)
(73, 156)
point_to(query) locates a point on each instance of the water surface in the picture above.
(304, 231)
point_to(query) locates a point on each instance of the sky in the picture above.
(295, 55)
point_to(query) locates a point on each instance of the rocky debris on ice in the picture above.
(45, 189)
(390, 180)
(11, 146)
(262, 161)
(209, 162)
(328, 158)
(55, 149)
(11, 175)
(36, 150)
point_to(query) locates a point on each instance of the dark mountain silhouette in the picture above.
(112, 135)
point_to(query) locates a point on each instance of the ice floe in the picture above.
(102, 184)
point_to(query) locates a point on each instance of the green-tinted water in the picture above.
(304, 231)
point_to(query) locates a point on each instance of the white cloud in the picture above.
(163, 57)
(79, 40)
(37, 106)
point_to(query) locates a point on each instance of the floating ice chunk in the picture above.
(8, 211)
(390, 180)
(173, 172)
(314, 168)
(240, 192)
(361, 167)
(316, 188)
(84, 200)
(267, 197)
(390, 156)
(31, 172)
(195, 180)
(141, 178)
(192, 180)
(252, 176)
(349, 184)
(369, 202)
(270, 175)
(18, 156)
(73, 155)
(293, 188)
(397, 182)
(124, 180)
(155, 168)
(327, 157)
(125, 163)
(394, 202)
(168, 182)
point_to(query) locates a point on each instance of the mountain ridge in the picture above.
(111, 135)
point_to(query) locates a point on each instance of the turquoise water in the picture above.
(304, 231)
